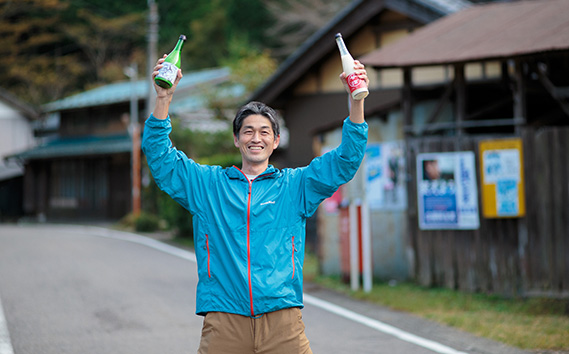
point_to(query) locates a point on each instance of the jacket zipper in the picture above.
(208, 255)
(293, 258)
(249, 240)
(249, 246)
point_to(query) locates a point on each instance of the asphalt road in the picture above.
(83, 290)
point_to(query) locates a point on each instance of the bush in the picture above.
(177, 218)
(146, 222)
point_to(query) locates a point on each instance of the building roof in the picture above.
(482, 32)
(77, 146)
(120, 91)
(348, 21)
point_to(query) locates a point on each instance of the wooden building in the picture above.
(308, 93)
(507, 89)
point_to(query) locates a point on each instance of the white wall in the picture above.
(16, 135)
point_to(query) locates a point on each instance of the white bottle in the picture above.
(358, 87)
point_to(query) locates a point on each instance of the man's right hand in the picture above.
(160, 91)
(163, 95)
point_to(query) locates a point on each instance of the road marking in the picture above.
(380, 326)
(309, 299)
(5, 344)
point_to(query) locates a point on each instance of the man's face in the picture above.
(256, 140)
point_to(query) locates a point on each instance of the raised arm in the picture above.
(163, 96)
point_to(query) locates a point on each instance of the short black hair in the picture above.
(255, 108)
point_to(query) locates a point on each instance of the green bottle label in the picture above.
(168, 73)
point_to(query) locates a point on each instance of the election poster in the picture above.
(447, 191)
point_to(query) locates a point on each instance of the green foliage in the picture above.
(145, 222)
(28, 42)
(52, 48)
(176, 217)
(102, 40)
(208, 39)
(211, 27)
(249, 67)
(223, 160)
(198, 144)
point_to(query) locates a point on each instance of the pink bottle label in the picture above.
(354, 82)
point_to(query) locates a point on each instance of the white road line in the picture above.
(309, 299)
(5, 344)
(380, 326)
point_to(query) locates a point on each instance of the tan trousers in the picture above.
(279, 332)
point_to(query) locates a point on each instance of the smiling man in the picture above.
(256, 133)
(249, 223)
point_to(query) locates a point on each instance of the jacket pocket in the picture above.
(293, 260)
(209, 255)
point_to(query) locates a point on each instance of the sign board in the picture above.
(446, 190)
(502, 178)
(385, 176)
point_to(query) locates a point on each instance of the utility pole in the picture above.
(153, 19)
(134, 130)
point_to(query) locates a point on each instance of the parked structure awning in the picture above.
(481, 32)
(73, 147)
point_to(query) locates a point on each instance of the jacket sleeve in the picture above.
(173, 171)
(326, 173)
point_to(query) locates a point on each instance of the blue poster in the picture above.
(507, 197)
(447, 191)
(385, 172)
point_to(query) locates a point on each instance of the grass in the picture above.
(532, 324)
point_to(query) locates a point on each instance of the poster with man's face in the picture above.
(447, 191)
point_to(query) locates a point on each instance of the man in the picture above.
(249, 223)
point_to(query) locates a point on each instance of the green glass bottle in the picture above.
(167, 74)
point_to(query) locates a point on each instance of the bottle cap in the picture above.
(182, 37)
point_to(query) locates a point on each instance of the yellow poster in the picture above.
(502, 175)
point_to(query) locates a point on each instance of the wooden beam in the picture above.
(440, 105)
(490, 107)
(407, 100)
(558, 93)
(519, 94)
(460, 94)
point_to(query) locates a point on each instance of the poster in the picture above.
(385, 176)
(447, 191)
(502, 178)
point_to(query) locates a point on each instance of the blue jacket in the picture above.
(249, 235)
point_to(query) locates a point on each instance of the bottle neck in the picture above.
(179, 45)
(342, 46)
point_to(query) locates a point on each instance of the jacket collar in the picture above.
(235, 172)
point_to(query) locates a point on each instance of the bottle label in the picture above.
(168, 72)
(354, 82)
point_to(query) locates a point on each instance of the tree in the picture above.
(38, 63)
(296, 20)
(51, 48)
(249, 67)
(110, 44)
